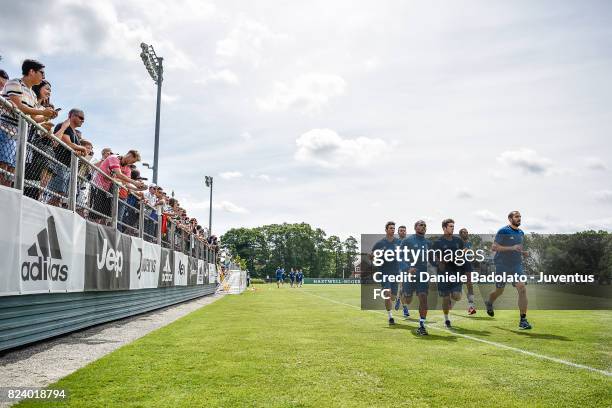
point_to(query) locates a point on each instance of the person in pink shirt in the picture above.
(118, 168)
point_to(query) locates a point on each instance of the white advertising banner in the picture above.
(51, 249)
(181, 263)
(201, 271)
(10, 217)
(46, 249)
(144, 264)
(212, 273)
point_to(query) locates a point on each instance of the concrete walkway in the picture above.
(44, 363)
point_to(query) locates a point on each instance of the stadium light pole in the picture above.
(154, 66)
(209, 183)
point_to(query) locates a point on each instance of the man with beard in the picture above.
(508, 248)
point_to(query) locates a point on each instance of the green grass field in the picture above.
(313, 347)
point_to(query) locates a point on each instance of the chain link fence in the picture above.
(34, 160)
(9, 133)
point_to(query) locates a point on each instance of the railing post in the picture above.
(141, 218)
(171, 237)
(158, 210)
(114, 206)
(74, 178)
(20, 154)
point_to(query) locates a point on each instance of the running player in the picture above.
(292, 277)
(279, 276)
(467, 270)
(388, 268)
(448, 291)
(417, 264)
(300, 277)
(508, 247)
(401, 233)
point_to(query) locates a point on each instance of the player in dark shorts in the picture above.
(279, 277)
(401, 233)
(467, 270)
(508, 247)
(416, 265)
(388, 268)
(300, 277)
(448, 291)
(292, 277)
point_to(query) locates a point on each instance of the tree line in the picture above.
(262, 249)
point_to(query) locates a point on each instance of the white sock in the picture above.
(390, 314)
(446, 316)
(422, 321)
(471, 298)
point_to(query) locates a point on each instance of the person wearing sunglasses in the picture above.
(67, 132)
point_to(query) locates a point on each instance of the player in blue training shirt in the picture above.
(448, 244)
(388, 268)
(467, 270)
(418, 246)
(292, 277)
(508, 247)
(401, 233)
(300, 277)
(279, 276)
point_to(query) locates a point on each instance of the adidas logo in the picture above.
(46, 249)
(167, 271)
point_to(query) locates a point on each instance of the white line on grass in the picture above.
(491, 343)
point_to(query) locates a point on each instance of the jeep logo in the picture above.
(110, 259)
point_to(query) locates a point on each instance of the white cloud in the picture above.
(228, 175)
(246, 41)
(229, 207)
(595, 163)
(372, 64)
(246, 136)
(486, 216)
(527, 160)
(325, 148)
(263, 177)
(224, 76)
(603, 195)
(308, 93)
(464, 193)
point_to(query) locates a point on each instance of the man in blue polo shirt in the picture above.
(417, 246)
(448, 265)
(508, 248)
(388, 268)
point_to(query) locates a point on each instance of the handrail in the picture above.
(26, 122)
(38, 127)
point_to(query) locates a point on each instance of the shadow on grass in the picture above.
(535, 335)
(472, 317)
(463, 330)
(430, 336)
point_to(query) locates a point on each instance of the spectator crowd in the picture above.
(49, 158)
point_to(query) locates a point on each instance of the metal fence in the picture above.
(46, 169)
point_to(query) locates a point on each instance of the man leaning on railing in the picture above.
(19, 92)
(117, 167)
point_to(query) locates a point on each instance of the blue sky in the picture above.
(346, 114)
